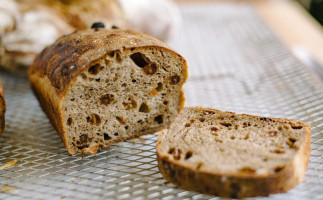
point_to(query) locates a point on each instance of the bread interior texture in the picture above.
(222, 142)
(121, 96)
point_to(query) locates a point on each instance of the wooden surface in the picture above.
(290, 21)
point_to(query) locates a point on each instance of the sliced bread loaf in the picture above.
(100, 86)
(233, 155)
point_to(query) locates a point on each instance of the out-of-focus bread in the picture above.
(28, 26)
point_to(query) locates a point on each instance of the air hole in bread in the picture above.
(174, 79)
(280, 128)
(188, 124)
(121, 120)
(112, 54)
(177, 154)
(249, 170)
(106, 99)
(166, 70)
(202, 119)
(171, 150)
(73, 99)
(118, 57)
(94, 119)
(233, 137)
(116, 134)
(246, 137)
(159, 86)
(126, 127)
(226, 124)
(69, 121)
(188, 155)
(278, 151)
(291, 142)
(150, 69)
(83, 139)
(134, 80)
(139, 59)
(245, 124)
(296, 126)
(165, 102)
(278, 169)
(159, 119)
(95, 69)
(214, 129)
(106, 136)
(130, 104)
(144, 108)
(84, 77)
(271, 133)
(97, 80)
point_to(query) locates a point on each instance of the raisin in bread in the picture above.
(233, 155)
(100, 87)
(2, 109)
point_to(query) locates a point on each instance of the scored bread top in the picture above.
(70, 54)
(228, 144)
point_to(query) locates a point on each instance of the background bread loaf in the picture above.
(28, 26)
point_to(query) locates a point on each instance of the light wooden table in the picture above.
(290, 21)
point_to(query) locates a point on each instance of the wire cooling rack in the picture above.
(235, 62)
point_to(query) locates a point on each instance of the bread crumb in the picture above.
(8, 189)
(143, 141)
(9, 164)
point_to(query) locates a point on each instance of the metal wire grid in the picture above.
(235, 63)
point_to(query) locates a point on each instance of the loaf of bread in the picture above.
(2, 109)
(100, 86)
(233, 155)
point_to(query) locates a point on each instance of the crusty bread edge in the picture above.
(3, 110)
(51, 99)
(237, 185)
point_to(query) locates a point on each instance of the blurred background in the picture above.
(315, 8)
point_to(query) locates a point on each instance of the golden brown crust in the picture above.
(57, 66)
(2, 109)
(238, 185)
(71, 54)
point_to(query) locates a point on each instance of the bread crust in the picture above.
(237, 185)
(2, 109)
(57, 66)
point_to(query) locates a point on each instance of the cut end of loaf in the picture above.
(124, 95)
(232, 155)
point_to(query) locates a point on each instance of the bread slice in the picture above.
(2, 109)
(100, 87)
(233, 155)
